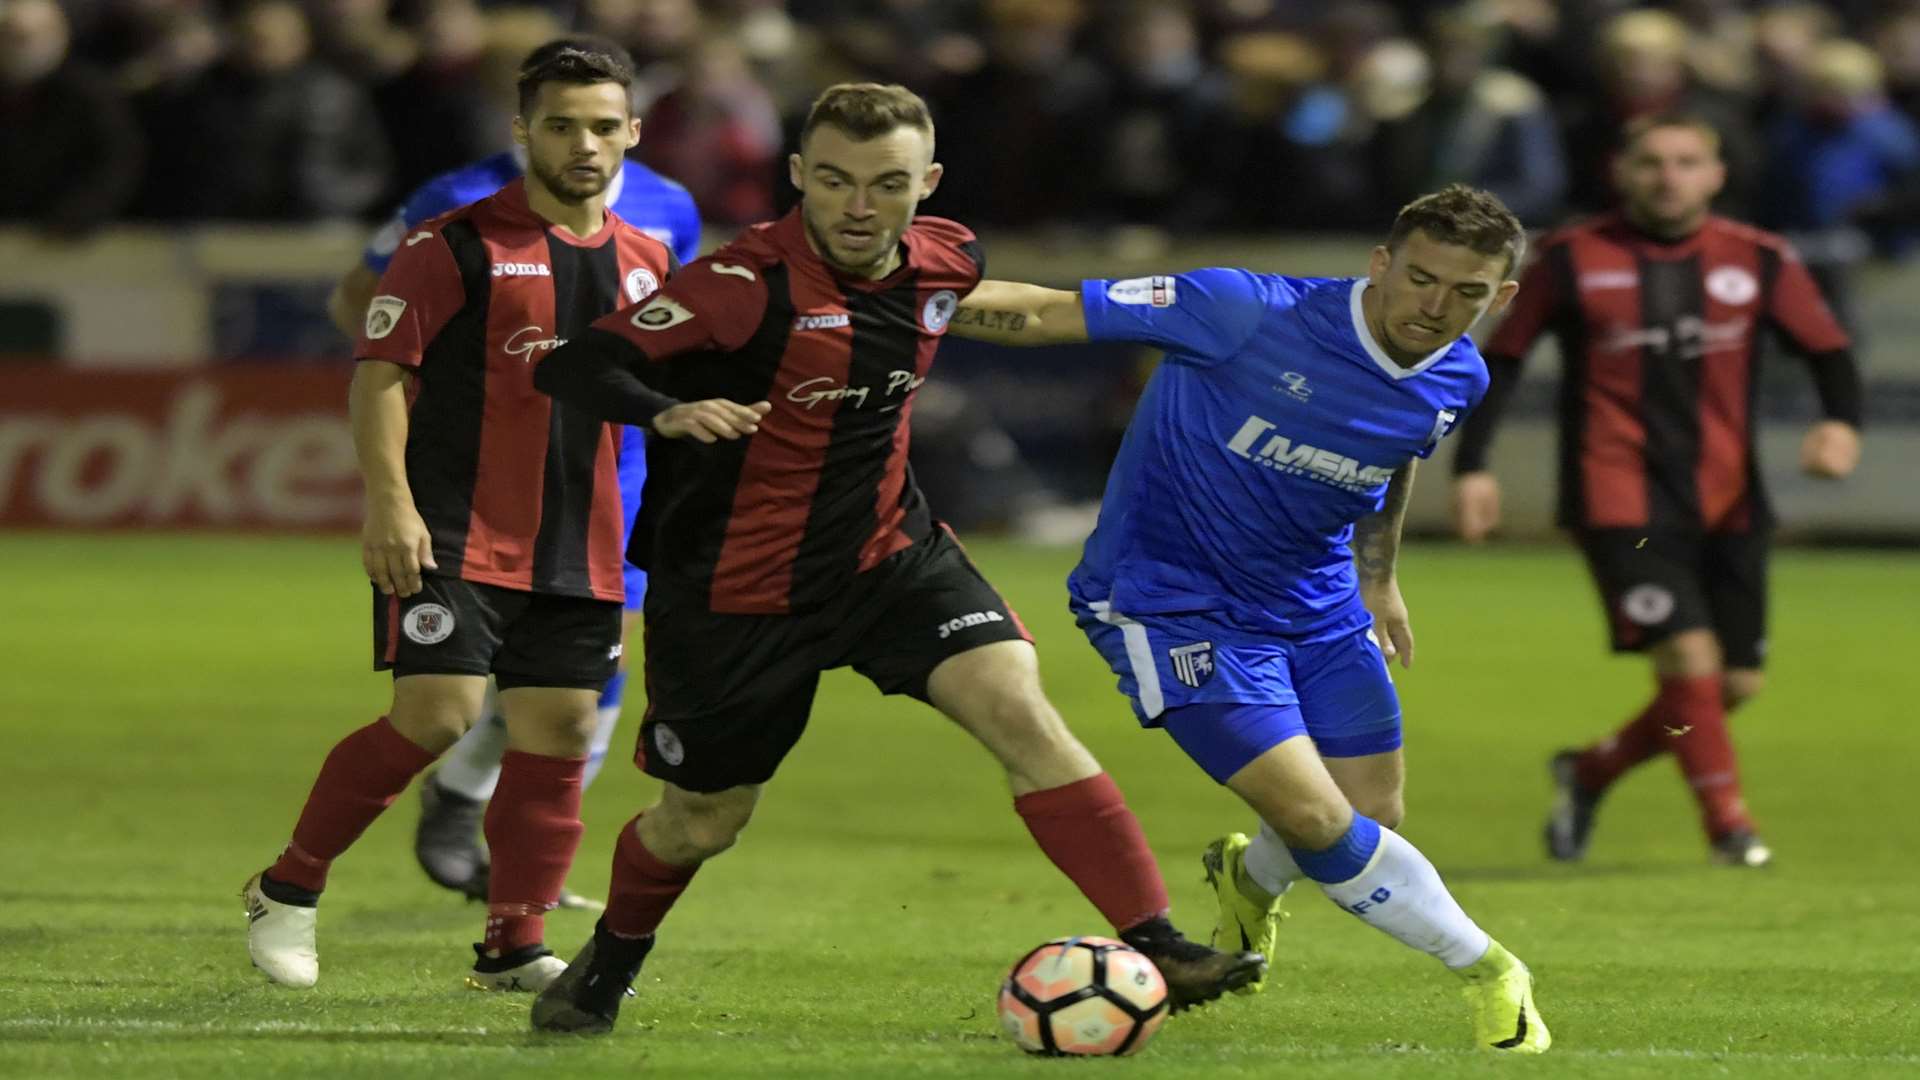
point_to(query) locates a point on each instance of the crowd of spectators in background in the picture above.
(1208, 115)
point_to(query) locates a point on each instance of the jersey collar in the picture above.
(1379, 356)
(512, 200)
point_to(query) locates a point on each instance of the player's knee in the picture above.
(1690, 654)
(1741, 687)
(709, 827)
(431, 725)
(1312, 825)
(1388, 809)
(1035, 745)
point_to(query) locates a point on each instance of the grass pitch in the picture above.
(166, 702)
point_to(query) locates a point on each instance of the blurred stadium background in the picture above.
(182, 181)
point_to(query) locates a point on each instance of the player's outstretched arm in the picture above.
(592, 373)
(1013, 313)
(1376, 551)
(394, 542)
(599, 374)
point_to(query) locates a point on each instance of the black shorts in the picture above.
(728, 695)
(1655, 585)
(456, 627)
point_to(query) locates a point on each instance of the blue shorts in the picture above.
(1227, 695)
(633, 479)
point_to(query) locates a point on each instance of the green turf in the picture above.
(166, 701)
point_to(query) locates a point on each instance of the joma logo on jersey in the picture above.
(517, 269)
(1299, 459)
(968, 622)
(821, 322)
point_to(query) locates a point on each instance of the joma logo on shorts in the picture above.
(965, 622)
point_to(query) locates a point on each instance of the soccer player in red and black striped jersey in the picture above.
(494, 520)
(1660, 310)
(808, 546)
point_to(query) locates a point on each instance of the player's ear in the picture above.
(1502, 296)
(633, 133)
(520, 132)
(932, 179)
(1719, 178)
(1377, 265)
(794, 172)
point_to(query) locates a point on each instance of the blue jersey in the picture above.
(1274, 424)
(643, 198)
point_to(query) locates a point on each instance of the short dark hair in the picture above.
(867, 110)
(581, 61)
(1469, 217)
(1638, 127)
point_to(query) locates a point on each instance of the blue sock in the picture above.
(1347, 857)
(615, 689)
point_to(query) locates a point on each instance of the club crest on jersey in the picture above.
(1192, 664)
(1443, 422)
(641, 284)
(383, 314)
(1157, 291)
(660, 314)
(1732, 285)
(939, 310)
(427, 624)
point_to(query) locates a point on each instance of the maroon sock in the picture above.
(1088, 832)
(643, 888)
(1704, 747)
(362, 776)
(533, 828)
(1641, 739)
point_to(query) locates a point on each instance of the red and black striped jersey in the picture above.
(1660, 341)
(517, 490)
(781, 520)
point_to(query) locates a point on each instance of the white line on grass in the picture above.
(213, 1027)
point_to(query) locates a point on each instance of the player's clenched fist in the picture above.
(1831, 449)
(711, 420)
(394, 545)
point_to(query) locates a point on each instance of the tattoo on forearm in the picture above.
(1376, 537)
(990, 319)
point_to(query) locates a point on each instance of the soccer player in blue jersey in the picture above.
(1240, 581)
(454, 796)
